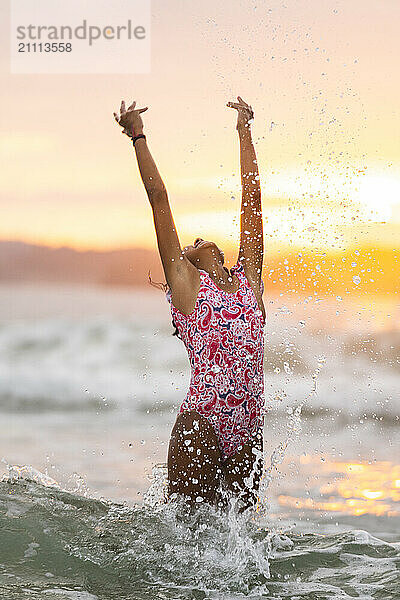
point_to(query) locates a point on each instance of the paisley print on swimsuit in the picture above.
(224, 338)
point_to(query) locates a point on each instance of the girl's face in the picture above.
(199, 252)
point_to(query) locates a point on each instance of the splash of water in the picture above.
(52, 540)
(293, 429)
(26, 472)
(156, 494)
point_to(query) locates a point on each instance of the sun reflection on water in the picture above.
(349, 488)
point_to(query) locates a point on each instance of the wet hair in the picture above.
(176, 330)
(164, 287)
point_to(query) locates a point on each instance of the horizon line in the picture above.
(272, 250)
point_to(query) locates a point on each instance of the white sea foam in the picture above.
(106, 361)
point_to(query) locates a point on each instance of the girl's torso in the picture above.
(224, 338)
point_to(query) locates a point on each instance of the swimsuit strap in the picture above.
(238, 270)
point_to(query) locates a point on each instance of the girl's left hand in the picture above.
(130, 119)
(245, 112)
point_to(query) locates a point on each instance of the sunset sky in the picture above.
(322, 77)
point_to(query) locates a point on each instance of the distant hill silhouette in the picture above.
(27, 262)
(361, 270)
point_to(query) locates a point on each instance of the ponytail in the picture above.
(164, 287)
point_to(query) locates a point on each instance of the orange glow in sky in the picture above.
(321, 79)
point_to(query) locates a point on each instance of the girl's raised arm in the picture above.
(251, 249)
(179, 272)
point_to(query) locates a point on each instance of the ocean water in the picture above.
(90, 381)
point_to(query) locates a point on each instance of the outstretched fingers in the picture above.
(242, 108)
(243, 103)
(131, 108)
(123, 110)
(233, 105)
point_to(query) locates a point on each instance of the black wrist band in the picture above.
(137, 137)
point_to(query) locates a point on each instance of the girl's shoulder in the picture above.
(202, 292)
(239, 271)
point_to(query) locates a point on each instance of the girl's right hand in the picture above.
(130, 119)
(245, 113)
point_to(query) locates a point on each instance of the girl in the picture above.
(219, 314)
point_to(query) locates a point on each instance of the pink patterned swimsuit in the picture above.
(224, 338)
